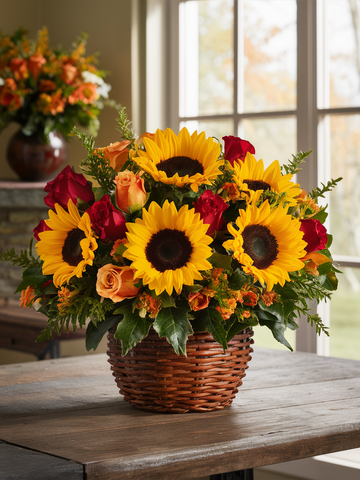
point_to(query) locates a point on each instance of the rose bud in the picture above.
(116, 153)
(130, 190)
(68, 185)
(314, 234)
(106, 220)
(211, 207)
(236, 149)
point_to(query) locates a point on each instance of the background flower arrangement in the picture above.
(174, 233)
(44, 89)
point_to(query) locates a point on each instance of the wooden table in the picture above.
(64, 419)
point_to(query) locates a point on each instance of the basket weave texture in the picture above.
(152, 377)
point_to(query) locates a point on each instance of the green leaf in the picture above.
(211, 321)
(32, 276)
(235, 329)
(218, 260)
(94, 334)
(193, 288)
(173, 323)
(100, 192)
(131, 330)
(275, 325)
(237, 280)
(166, 300)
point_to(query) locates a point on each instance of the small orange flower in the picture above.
(227, 311)
(247, 298)
(117, 243)
(149, 304)
(269, 298)
(232, 191)
(246, 314)
(27, 297)
(198, 301)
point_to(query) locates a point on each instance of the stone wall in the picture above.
(21, 209)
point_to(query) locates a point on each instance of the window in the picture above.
(285, 75)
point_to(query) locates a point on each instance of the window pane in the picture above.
(263, 338)
(267, 38)
(341, 54)
(212, 128)
(206, 57)
(345, 198)
(273, 139)
(345, 316)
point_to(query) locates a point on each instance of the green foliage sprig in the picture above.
(124, 126)
(320, 192)
(95, 165)
(293, 165)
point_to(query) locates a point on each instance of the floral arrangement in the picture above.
(177, 233)
(44, 89)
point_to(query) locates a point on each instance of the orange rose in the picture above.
(68, 73)
(35, 64)
(130, 190)
(117, 153)
(116, 282)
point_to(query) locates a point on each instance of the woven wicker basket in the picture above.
(152, 377)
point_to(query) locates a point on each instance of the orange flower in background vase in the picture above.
(116, 283)
(68, 73)
(86, 93)
(47, 86)
(35, 64)
(27, 297)
(116, 153)
(20, 68)
(130, 190)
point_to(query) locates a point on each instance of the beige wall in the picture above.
(108, 24)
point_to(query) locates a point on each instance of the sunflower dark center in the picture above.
(180, 165)
(168, 250)
(260, 245)
(72, 251)
(257, 185)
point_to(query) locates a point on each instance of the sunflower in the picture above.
(251, 177)
(69, 246)
(168, 247)
(267, 243)
(181, 160)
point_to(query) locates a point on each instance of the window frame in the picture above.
(311, 120)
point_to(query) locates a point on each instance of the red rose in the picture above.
(106, 220)
(68, 185)
(236, 149)
(211, 207)
(42, 227)
(314, 234)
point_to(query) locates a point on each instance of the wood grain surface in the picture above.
(290, 406)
